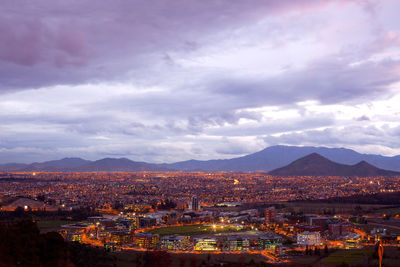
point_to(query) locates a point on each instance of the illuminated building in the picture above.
(94, 219)
(237, 243)
(176, 242)
(352, 241)
(101, 234)
(269, 241)
(74, 237)
(309, 239)
(270, 214)
(120, 237)
(205, 244)
(378, 233)
(194, 204)
(138, 208)
(134, 223)
(145, 240)
(110, 246)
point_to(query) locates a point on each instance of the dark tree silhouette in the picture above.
(21, 244)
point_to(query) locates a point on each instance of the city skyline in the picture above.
(164, 82)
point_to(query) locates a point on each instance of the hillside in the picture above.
(317, 165)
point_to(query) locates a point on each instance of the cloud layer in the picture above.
(163, 81)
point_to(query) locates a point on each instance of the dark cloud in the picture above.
(328, 82)
(48, 43)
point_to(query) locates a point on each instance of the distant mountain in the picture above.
(267, 159)
(277, 156)
(121, 164)
(316, 165)
(12, 166)
(56, 165)
(78, 164)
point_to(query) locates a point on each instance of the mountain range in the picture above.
(81, 165)
(265, 160)
(274, 157)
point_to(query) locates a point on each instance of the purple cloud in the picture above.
(48, 43)
(199, 79)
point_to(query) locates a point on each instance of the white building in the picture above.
(205, 244)
(352, 241)
(176, 242)
(309, 239)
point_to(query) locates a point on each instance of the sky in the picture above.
(164, 81)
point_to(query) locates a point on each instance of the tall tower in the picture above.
(135, 223)
(194, 204)
(270, 214)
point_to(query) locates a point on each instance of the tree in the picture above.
(157, 258)
(21, 244)
(19, 212)
(182, 261)
(193, 261)
(166, 205)
(139, 260)
(252, 263)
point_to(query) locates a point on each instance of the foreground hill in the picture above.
(317, 165)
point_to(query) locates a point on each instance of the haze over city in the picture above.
(163, 81)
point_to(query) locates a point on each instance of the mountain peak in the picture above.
(363, 163)
(315, 156)
(316, 165)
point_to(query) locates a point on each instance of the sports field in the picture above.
(190, 230)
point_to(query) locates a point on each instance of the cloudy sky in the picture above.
(162, 80)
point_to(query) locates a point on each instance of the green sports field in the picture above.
(190, 230)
